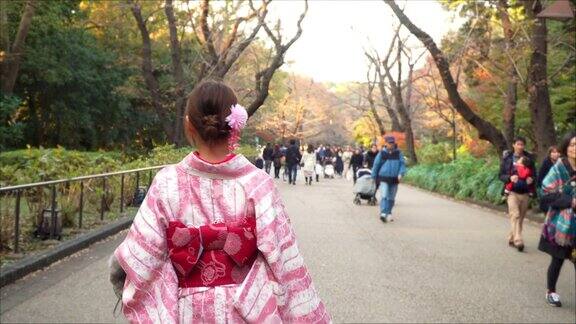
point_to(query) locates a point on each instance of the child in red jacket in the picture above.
(522, 170)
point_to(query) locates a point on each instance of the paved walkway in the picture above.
(440, 261)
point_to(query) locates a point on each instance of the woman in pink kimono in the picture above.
(212, 241)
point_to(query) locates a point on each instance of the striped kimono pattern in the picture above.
(277, 288)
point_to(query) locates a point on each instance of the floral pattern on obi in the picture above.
(212, 255)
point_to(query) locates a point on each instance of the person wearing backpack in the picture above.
(388, 169)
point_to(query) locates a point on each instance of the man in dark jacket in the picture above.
(517, 201)
(356, 162)
(371, 156)
(293, 157)
(267, 154)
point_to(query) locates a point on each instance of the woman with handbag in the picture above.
(558, 237)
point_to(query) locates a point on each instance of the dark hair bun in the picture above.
(208, 106)
(214, 128)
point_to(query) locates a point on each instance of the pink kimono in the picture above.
(274, 286)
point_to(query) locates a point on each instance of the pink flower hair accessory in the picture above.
(236, 120)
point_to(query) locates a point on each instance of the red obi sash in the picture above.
(212, 255)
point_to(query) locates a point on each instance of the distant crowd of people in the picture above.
(374, 168)
(323, 161)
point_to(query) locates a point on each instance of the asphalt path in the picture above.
(439, 261)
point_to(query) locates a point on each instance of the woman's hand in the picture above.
(514, 178)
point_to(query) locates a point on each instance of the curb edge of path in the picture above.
(532, 216)
(41, 260)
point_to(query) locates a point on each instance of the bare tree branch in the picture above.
(264, 77)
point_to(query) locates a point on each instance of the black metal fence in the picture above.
(19, 190)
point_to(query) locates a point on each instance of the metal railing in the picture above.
(19, 189)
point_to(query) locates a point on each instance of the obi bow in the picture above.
(186, 244)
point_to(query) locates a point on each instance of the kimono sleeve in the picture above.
(150, 292)
(277, 242)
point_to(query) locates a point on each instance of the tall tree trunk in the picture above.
(34, 122)
(375, 113)
(512, 90)
(394, 120)
(11, 64)
(147, 73)
(485, 129)
(539, 104)
(401, 107)
(177, 74)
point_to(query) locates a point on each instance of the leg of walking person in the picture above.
(514, 215)
(383, 201)
(554, 272)
(267, 165)
(294, 172)
(276, 172)
(524, 201)
(391, 197)
(289, 171)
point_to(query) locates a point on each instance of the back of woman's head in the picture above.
(310, 148)
(207, 108)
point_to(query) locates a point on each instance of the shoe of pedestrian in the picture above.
(520, 247)
(553, 299)
(384, 217)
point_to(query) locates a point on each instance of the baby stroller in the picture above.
(329, 171)
(365, 188)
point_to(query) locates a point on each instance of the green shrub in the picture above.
(466, 178)
(435, 153)
(39, 164)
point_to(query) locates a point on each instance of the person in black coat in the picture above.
(339, 165)
(517, 202)
(277, 160)
(293, 157)
(356, 161)
(371, 156)
(267, 156)
(551, 159)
